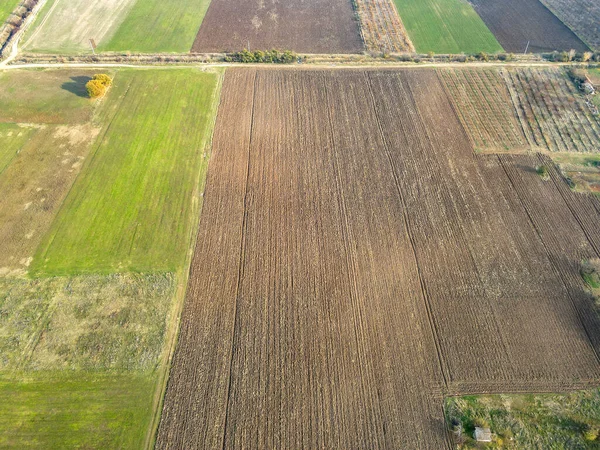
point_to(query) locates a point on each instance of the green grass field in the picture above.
(86, 410)
(12, 138)
(6, 7)
(159, 26)
(544, 421)
(446, 26)
(132, 207)
(45, 96)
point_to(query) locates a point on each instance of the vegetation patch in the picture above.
(91, 322)
(133, 207)
(42, 410)
(446, 26)
(561, 421)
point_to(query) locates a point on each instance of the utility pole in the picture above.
(93, 45)
(527, 47)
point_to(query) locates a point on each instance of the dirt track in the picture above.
(318, 26)
(356, 260)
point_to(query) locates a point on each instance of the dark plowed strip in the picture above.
(515, 22)
(318, 26)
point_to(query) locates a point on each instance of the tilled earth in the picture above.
(356, 261)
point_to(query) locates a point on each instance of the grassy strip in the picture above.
(557, 421)
(74, 409)
(446, 26)
(130, 209)
(7, 7)
(159, 26)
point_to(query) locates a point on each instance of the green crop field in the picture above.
(47, 410)
(446, 26)
(131, 208)
(159, 26)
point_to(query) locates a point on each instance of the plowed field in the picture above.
(319, 26)
(355, 261)
(516, 22)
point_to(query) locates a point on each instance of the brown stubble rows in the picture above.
(356, 261)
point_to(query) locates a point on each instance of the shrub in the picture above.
(271, 56)
(95, 88)
(103, 78)
(542, 171)
(591, 434)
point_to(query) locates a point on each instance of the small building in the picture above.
(483, 434)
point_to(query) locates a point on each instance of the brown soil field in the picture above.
(318, 26)
(515, 22)
(582, 16)
(356, 261)
(382, 28)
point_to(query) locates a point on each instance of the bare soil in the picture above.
(516, 22)
(319, 26)
(356, 261)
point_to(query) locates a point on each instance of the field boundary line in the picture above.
(550, 259)
(243, 237)
(181, 295)
(423, 286)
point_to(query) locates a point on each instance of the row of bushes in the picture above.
(573, 56)
(259, 56)
(14, 22)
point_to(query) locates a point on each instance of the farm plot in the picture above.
(159, 26)
(515, 23)
(581, 16)
(485, 109)
(131, 208)
(551, 112)
(67, 26)
(319, 26)
(45, 96)
(381, 27)
(45, 135)
(445, 26)
(79, 358)
(355, 261)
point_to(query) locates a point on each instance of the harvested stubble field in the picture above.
(516, 22)
(356, 260)
(382, 28)
(485, 108)
(319, 26)
(582, 16)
